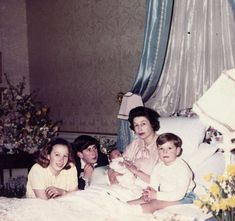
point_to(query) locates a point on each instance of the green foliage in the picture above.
(24, 123)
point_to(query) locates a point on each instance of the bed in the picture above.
(102, 202)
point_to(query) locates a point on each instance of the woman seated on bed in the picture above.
(141, 154)
(171, 182)
(54, 174)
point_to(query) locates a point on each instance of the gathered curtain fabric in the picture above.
(157, 27)
(201, 46)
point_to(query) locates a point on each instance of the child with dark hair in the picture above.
(87, 156)
(54, 174)
(171, 181)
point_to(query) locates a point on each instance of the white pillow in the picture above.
(203, 153)
(214, 164)
(190, 129)
(207, 159)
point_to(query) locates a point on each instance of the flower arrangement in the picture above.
(219, 197)
(24, 123)
(106, 144)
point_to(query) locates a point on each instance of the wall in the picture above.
(13, 40)
(81, 54)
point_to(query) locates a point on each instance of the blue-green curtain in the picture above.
(157, 29)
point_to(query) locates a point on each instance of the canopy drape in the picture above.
(201, 46)
(157, 27)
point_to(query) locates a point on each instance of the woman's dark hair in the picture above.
(84, 141)
(170, 137)
(43, 155)
(150, 114)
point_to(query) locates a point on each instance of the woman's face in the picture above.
(58, 158)
(143, 128)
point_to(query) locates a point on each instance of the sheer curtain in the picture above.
(201, 46)
(157, 26)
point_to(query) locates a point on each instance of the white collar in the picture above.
(83, 163)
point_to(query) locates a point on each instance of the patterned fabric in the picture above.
(213, 136)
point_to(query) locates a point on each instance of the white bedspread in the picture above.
(92, 204)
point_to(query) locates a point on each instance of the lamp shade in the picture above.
(129, 101)
(217, 106)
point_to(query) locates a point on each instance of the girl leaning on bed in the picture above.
(54, 174)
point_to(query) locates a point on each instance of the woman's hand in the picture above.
(130, 166)
(53, 192)
(138, 173)
(149, 194)
(112, 175)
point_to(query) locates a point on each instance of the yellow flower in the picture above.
(198, 203)
(204, 197)
(223, 205)
(231, 202)
(214, 189)
(208, 177)
(219, 197)
(221, 178)
(44, 109)
(28, 115)
(231, 170)
(215, 207)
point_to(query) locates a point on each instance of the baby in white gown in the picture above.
(127, 179)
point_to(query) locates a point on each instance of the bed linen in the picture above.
(100, 202)
(92, 204)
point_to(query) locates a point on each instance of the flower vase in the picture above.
(9, 147)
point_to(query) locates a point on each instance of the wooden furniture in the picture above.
(15, 161)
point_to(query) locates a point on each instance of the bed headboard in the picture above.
(70, 136)
(106, 140)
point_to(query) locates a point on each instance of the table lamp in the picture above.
(129, 101)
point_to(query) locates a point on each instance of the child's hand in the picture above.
(53, 192)
(149, 194)
(88, 170)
